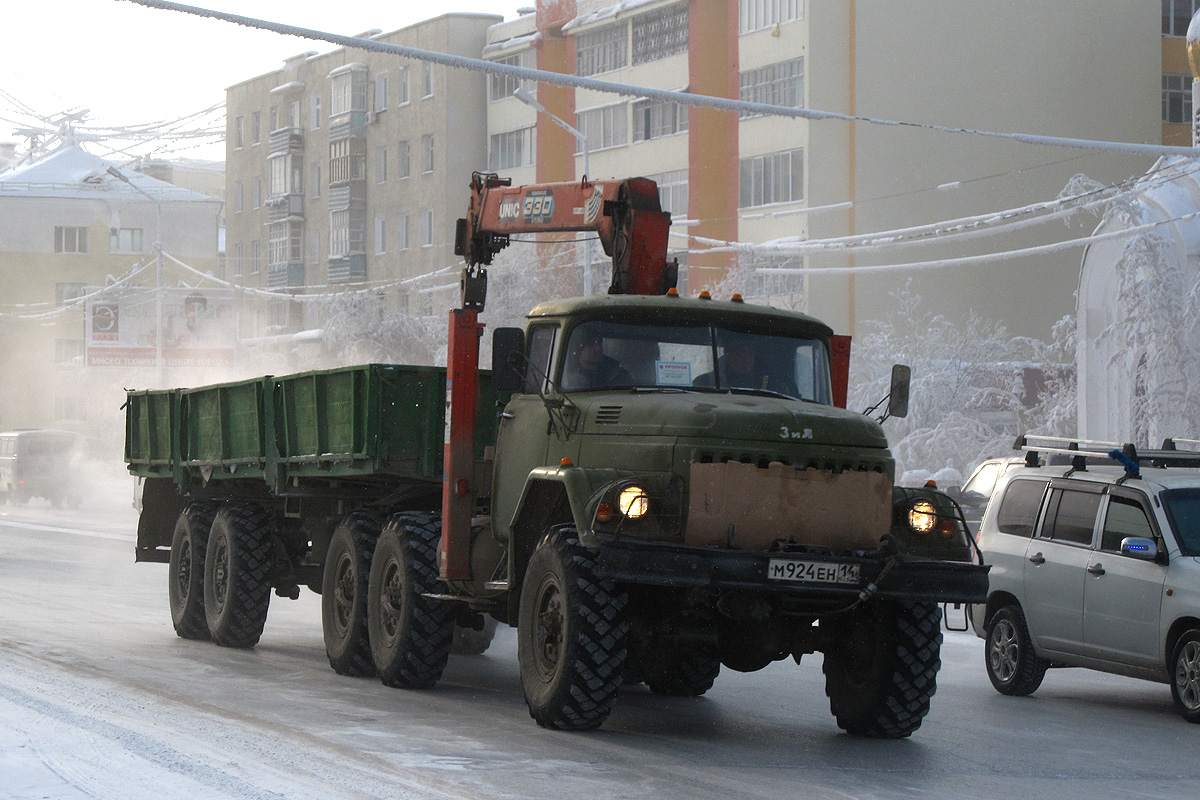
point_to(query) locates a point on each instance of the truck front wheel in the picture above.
(410, 634)
(237, 568)
(571, 636)
(881, 664)
(185, 574)
(344, 593)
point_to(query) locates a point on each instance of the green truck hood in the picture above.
(731, 417)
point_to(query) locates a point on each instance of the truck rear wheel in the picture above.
(881, 664)
(409, 634)
(344, 593)
(237, 568)
(571, 636)
(185, 574)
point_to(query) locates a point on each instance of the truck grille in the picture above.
(608, 415)
(762, 459)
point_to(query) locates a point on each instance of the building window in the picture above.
(771, 178)
(315, 180)
(660, 33)
(237, 133)
(238, 195)
(125, 240)
(603, 127)
(294, 114)
(70, 240)
(779, 84)
(255, 257)
(380, 235)
(274, 117)
(403, 160)
(339, 233)
(1177, 99)
(345, 164)
(1177, 15)
(502, 86)
(284, 175)
(255, 192)
(427, 228)
(237, 260)
(426, 79)
(655, 118)
(601, 51)
(402, 233)
(402, 79)
(381, 165)
(381, 91)
(67, 351)
(277, 245)
(427, 153)
(255, 127)
(348, 92)
(65, 293)
(755, 15)
(314, 112)
(673, 191)
(512, 149)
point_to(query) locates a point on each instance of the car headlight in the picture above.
(632, 502)
(922, 517)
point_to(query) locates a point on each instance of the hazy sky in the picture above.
(129, 64)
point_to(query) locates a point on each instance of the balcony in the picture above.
(286, 141)
(347, 269)
(284, 276)
(284, 207)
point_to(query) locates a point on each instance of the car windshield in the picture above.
(628, 355)
(1183, 511)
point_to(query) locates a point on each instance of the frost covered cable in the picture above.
(609, 87)
(76, 302)
(991, 223)
(986, 257)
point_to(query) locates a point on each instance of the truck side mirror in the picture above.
(898, 399)
(508, 360)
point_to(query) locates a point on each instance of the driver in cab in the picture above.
(589, 368)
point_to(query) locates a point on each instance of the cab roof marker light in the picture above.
(705, 295)
(736, 298)
(672, 292)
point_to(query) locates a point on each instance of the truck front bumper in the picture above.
(906, 578)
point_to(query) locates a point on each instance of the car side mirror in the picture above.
(898, 396)
(1140, 548)
(508, 360)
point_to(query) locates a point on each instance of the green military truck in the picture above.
(648, 488)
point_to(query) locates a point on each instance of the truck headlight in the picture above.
(922, 517)
(632, 502)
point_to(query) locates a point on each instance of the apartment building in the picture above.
(347, 169)
(1025, 66)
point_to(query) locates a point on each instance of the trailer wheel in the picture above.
(881, 665)
(344, 593)
(185, 575)
(237, 568)
(689, 672)
(572, 636)
(410, 634)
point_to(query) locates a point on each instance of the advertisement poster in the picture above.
(199, 328)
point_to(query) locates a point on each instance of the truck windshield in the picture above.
(1183, 511)
(627, 355)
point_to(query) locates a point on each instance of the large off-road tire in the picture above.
(185, 574)
(881, 665)
(1012, 665)
(1185, 675)
(410, 634)
(344, 592)
(470, 642)
(237, 571)
(571, 636)
(689, 672)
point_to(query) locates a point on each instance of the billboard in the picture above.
(199, 328)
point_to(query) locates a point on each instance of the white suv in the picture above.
(1095, 566)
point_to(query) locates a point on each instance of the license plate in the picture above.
(786, 569)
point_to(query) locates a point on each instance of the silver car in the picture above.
(1095, 566)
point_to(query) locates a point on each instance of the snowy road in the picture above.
(100, 699)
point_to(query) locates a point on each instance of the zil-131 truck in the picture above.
(648, 487)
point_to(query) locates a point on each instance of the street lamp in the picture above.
(158, 259)
(529, 100)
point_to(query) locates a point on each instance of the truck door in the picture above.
(1122, 596)
(1056, 566)
(524, 430)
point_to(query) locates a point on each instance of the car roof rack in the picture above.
(1125, 453)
